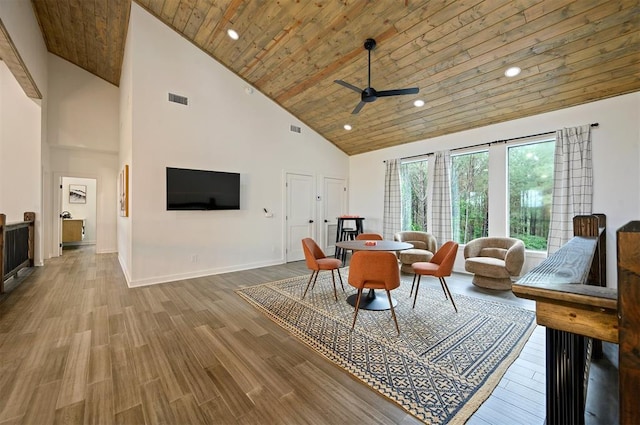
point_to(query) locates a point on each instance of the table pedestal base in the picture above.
(372, 302)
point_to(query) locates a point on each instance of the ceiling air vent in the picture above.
(178, 99)
(295, 129)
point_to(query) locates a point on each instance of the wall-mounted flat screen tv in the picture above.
(202, 190)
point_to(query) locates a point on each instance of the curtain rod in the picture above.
(489, 143)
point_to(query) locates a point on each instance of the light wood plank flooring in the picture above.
(79, 347)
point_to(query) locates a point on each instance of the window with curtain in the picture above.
(470, 195)
(413, 182)
(530, 170)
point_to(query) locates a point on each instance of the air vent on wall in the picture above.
(296, 129)
(178, 99)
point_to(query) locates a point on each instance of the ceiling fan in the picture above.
(370, 94)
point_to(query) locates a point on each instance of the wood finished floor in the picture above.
(77, 346)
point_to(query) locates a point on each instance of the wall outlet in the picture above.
(194, 258)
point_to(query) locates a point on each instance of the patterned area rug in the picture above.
(441, 367)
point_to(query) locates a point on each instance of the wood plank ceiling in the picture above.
(456, 52)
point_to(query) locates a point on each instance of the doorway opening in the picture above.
(77, 212)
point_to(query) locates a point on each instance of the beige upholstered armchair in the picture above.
(424, 246)
(494, 260)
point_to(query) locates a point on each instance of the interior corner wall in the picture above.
(616, 163)
(125, 150)
(223, 128)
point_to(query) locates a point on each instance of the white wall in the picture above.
(83, 135)
(22, 121)
(20, 169)
(616, 159)
(223, 128)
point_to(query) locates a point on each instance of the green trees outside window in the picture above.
(413, 183)
(530, 191)
(470, 196)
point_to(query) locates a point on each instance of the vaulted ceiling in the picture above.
(456, 52)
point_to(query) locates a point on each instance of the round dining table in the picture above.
(371, 301)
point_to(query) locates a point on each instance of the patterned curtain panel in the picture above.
(392, 216)
(572, 183)
(439, 191)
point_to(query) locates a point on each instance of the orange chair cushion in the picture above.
(425, 268)
(329, 263)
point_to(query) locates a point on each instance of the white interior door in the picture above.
(300, 215)
(335, 204)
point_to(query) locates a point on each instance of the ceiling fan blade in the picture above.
(358, 107)
(347, 85)
(397, 92)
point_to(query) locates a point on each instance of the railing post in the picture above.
(629, 316)
(3, 223)
(31, 218)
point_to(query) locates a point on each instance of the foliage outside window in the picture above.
(530, 192)
(413, 183)
(470, 196)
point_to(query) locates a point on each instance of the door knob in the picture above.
(326, 221)
(310, 221)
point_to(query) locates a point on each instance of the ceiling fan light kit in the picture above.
(369, 94)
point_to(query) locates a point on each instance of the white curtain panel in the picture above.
(439, 194)
(392, 215)
(572, 183)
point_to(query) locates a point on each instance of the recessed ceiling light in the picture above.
(512, 72)
(418, 103)
(234, 35)
(347, 127)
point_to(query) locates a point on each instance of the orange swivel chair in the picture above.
(369, 237)
(316, 261)
(374, 270)
(440, 266)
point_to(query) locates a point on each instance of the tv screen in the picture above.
(202, 190)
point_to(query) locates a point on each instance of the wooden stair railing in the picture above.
(573, 313)
(16, 246)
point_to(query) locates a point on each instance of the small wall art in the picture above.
(123, 191)
(77, 194)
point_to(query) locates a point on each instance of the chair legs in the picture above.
(314, 278)
(445, 289)
(313, 273)
(357, 308)
(393, 311)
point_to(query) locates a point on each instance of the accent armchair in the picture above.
(493, 261)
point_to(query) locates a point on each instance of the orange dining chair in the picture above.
(374, 270)
(439, 266)
(316, 261)
(369, 237)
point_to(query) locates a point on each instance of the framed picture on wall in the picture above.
(77, 194)
(123, 186)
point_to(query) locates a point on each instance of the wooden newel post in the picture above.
(3, 228)
(31, 218)
(629, 320)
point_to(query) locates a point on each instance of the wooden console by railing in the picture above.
(16, 246)
(573, 312)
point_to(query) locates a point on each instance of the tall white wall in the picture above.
(22, 122)
(83, 135)
(19, 140)
(223, 128)
(616, 160)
